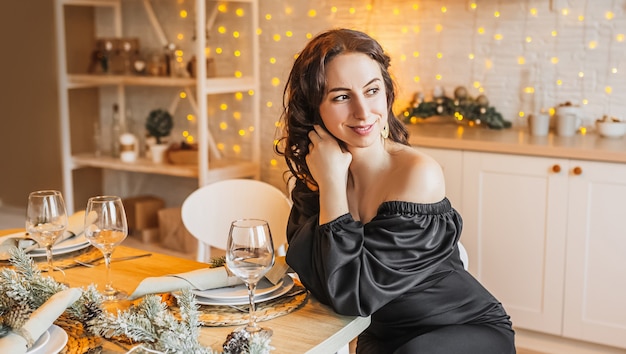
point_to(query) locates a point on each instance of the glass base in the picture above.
(255, 331)
(115, 296)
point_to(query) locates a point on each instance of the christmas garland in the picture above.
(149, 322)
(462, 107)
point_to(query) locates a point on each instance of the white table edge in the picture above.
(342, 337)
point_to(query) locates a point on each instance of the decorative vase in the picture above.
(158, 152)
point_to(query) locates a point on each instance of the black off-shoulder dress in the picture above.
(402, 268)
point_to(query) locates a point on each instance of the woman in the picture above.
(371, 231)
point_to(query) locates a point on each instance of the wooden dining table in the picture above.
(312, 328)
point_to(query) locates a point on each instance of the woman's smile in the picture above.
(363, 129)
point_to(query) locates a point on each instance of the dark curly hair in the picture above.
(306, 87)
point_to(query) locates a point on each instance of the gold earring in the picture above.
(385, 132)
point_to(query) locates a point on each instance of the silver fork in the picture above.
(99, 260)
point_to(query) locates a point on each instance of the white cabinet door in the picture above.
(451, 162)
(515, 230)
(595, 285)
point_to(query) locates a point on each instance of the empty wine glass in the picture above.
(249, 255)
(46, 220)
(105, 228)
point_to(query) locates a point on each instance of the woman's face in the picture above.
(354, 108)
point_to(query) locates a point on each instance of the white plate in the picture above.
(286, 285)
(238, 292)
(39, 343)
(71, 245)
(56, 343)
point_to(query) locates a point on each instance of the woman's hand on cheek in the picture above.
(326, 160)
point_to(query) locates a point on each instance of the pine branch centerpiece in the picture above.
(148, 323)
(462, 107)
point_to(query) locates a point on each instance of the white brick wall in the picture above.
(413, 32)
(404, 27)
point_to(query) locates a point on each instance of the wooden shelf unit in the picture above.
(208, 168)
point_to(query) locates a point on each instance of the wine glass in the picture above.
(105, 228)
(249, 255)
(46, 220)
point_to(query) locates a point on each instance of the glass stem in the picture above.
(252, 326)
(108, 287)
(49, 259)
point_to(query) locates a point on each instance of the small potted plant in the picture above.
(159, 125)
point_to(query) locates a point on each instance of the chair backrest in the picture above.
(463, 255)
(208, 212)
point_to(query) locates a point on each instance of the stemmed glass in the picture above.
(249, 255)
(105, 228)
(46, 220)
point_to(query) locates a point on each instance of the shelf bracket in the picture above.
(155, 23)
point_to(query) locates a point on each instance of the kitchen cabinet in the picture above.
(84, 96)
(547, 237)
(515, 233)
(594, 308)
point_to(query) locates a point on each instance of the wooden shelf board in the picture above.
(218, 168)
(91, 80)
(213, 85)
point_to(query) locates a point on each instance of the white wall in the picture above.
(567, 39)
(524, 55)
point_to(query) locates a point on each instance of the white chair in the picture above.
(463, 255)
(208, 212)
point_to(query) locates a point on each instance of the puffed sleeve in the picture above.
(357, 268)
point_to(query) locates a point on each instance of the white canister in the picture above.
(128, 147)
(568, 119)
(539, 124)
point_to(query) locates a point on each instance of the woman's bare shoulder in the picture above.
(418, 178)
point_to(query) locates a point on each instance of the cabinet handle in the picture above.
(577, 171)
(556, 168)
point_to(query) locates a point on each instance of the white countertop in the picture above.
(588, 146)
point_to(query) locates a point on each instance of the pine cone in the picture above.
(17, 316)
(236, 343)
(92, 311)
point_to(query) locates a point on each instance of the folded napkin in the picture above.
(202, 279)
(75, 226)
(39, 322)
